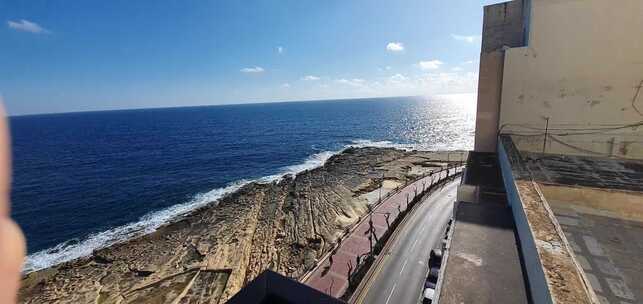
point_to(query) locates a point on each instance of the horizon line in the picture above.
(230, 104)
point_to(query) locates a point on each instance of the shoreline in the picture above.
(153, 220)
(236, 237)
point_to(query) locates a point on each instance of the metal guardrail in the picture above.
(351, 228)
(358, 294)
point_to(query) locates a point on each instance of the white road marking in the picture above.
(414, 243)
(404, 265)
(390, 294)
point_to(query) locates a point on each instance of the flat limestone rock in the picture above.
(208, 255)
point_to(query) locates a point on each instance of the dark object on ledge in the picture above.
(271, 287)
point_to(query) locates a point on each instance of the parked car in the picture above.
(435, 258)
(433, 274)
(429, 293)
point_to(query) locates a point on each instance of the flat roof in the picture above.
(598, 203)
(608, 249)
(483, 264)
(586, 171)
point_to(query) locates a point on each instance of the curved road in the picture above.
(401, 273)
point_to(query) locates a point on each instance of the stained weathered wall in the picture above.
(502, 27)
(583, 68)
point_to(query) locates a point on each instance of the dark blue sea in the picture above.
(86, 180)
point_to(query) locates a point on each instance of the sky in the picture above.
(66, 56)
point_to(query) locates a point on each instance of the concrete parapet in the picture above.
(553, 274)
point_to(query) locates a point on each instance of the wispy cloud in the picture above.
(430, 64)
(395, 47)
(468, 62)
(398, 78)
(466, 38)
(285, 85)
(456, 69)
(280, 49)
(310, 78)
(27, 26)
(256, 69)
(355, 82)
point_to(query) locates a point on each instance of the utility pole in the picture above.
(546, 131)
(370, 236)
(381, 186)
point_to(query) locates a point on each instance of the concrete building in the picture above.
(560, 119)
(550, 207)
(578, 64)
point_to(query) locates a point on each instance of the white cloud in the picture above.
(310, 78)
(355, 82)
(449, 83)
(430, 64)
(468, 62)
(432, 83)
(395, 47)
(280, 49)
(256, 69)
(456, 69)
(465, 38)
(398, 78)
(285, 85)
(27, 26)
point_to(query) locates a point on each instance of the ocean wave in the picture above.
(363, 143)
(150, 222)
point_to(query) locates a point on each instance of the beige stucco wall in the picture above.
(502, 26)
(489, 92)
(581, 68)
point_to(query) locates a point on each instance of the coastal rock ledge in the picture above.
(209, 254)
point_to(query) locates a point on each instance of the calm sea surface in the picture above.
(87, 180)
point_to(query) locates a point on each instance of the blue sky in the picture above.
(62, 56)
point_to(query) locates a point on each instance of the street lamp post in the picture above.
(381, 186)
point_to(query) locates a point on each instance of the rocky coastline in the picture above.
(209, 254)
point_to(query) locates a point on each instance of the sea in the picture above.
(86, 180)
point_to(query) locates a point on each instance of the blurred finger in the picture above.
(5, 162)
(12, 252)
(12, 242)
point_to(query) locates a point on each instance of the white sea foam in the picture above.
(148, 223)
(362, 143)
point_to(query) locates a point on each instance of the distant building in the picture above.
(560, 121)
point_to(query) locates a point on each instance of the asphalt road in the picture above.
(401, 274)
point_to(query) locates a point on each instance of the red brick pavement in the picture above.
(331, 278)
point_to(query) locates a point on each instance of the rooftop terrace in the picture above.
(598, 203)
(584, 217)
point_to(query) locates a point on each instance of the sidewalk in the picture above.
(331, 274)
